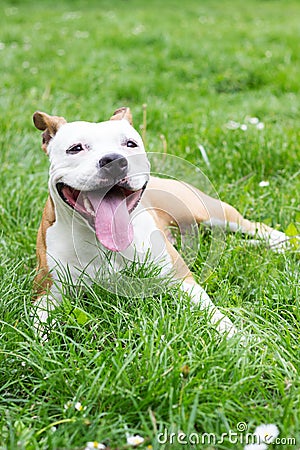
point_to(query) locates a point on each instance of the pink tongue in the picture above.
(112, 221)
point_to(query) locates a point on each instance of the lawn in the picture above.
(116, 367)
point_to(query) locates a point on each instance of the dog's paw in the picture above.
(280, 242)
(223, 324)
(226, 327)
(40, 320)
(41, 317)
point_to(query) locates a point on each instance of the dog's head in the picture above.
(99, 170)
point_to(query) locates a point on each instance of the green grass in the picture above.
(140, 366)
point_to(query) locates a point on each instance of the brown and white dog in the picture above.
(102, 197)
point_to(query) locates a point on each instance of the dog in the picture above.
(104, 205)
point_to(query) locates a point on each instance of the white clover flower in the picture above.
(264, 183)
(260, 126)
(135, 440)
(95, 444)
(243, 127)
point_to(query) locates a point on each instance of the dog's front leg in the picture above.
(43, 306)
(200, 298)
(197, 294)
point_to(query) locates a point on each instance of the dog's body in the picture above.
(104, 204)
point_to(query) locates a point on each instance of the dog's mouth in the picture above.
(107, 211)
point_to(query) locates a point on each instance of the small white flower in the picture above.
(253, 120)
(232, 125)
(95, 444)
(53, 429)
(264, 184)
(135, 440)
(266, 433)
(68, 405)
(243, 127)
(79, 406)
(260, 126)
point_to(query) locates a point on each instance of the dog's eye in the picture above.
(131, 144)
(75, 149)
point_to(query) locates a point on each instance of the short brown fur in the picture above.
(43, 279)
(122, 113)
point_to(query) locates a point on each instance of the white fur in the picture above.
(276, 240)
(200, 298)
(81, 170)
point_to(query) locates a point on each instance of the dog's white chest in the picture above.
(72, 246)
(149, 242)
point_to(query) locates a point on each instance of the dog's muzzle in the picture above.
(107, 210)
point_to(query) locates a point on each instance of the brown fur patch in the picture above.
(122, 113)
(49, 124)
(43, 279)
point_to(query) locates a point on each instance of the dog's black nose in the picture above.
(114, 163)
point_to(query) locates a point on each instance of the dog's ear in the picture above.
(122, 113)
(49, 125)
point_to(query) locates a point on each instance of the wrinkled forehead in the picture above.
(112, 132)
